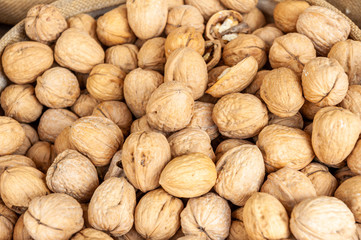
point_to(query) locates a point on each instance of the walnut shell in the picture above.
(112, 206)
(44, 23)
(214, 74)
(239, 115)
(113, 28)
(78, 51)
(115, 167)
(131, 235)
(352, 100)
(323, 26)
(228, 144)
(20, 103)
(7, 221)
(84, 22)
(213, 53)
(255, 85)
(20, 185)
(268, 34)
(123, 56)
(12, 135)
(152, 54)
(243, 6)
(147, 18)
(55, 216)
(174, 3)
(37, 57)
(141, 124)
(10, 161)
(343, 174)
(144, 156)
(62, 141)
(57, 88)
(43, 154)
(189, 176)
(97, 138)
(91, 234)
(184, 15)
(20, 232)
(295, 121)
(353, 159)
(237, 231)
(334, 135)
(170, 107)
(283, 146)
(206, 7)
(309, 110)
(31, 137)
(85, 104)
(209, 214)
(241, 172)
(322, 218)
(158, 208)
(264, 217)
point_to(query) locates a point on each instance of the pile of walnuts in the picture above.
(165, 119)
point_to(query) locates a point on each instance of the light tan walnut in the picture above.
(184, 15)
(295, 121)
(31, 137)
(84, 22)
(43, 154)
(254, 19)
(20, 232)
(228, 144)
(152, 54)
(206, 7)
(268, 34)
(12, 135)
(91, 234)
(243, 6)
(352, 100)
(85, 104)
(123, 56)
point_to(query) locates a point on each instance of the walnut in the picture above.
(322, 218)
(43, 154)
(209, 214)
(243, 6)
(84, 22)
(254, 19)
(97, 138)
(334, 135)
(214, 74)
(12, 135)
(57, 88)
(85, 104)
(62, 141)
(112, 206)
(189, 176)
(268, 34)
(91, 234)
(144, 155)
(20, 103)
(352, 100)
(309, 110)
(7, 221)
(105, 82)
(115, 167)
(286, 14)
(295, 121)
(158, 208)
(131, 235)
(255, 85)
(9, 161)
(78, 51)
(184, 15)
(353, 159)
(37, 58)
(241, 172)
(55, 216)
(228, 144)
(213, 53)
(239, 115)
(20, 232)
(237, 231)
(123, 56)
(308, 129)
(152, 54)
(206, 7)
(170, 107)
(174, 3)
(31, 137)
(141, 124)
(318, 22)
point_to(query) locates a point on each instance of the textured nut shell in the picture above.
(352, 100)
(20, 103)
(73, 174)
(323, 26)
(57, 88)
(174, 3)
(78, 51)
(264, 217)
(206, 7)
(115, 168)
(213, 53)
(147, 18)
(91, 234)
(209, 214)
(268, 34)
(43, 154)
(55, 216)
(353, 161)
(240, 115)
(187, 66)
(214, 74)
(141, 124)
(20, 232)
(283, 146)
(158, 208)
(334, 135)
(84, 105)
(255, 85)
(131, 235)
(152, 54)
(343, 174)
(254, 19)
(322, 218)
(349, 193)
(243, 6)
(184, 15)
(12, 135)
(170, 107)
(7, 221)
(97, 138)
(84, 22)
(309, 110)
(190, 140)
(241, 172)
(9, 161)
(24, 61)
(144, 155)
(237, 231)
(123, 56)
(19, 185)
(188, 176)
(113, 28)
(112, 205)
(286, 14)
(295, 121)
(228, 144)
(62, 141)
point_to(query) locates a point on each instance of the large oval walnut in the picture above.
(184, 15)
(152, 54)
(12, 135)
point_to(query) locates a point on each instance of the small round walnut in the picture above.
(78, 51)
(254, 19)
(264, 217)
(268, 34)
(189, 176)
(20, 185)
(282, 92)
(55, 216)
(228, 144)
(97, 138)
(85, 104)
(31, 137)
(334, 135)
(324, 182)
(57, 88)
(123, 56)
(206, 7)
(73, 174)
(239, 115)
(353, 160)
(237, 231)
(286, 14)
(113, 28)
(241, 172)
(295, 121)
(112, 206)
(20, 232)
(309, 110)
(91, 234)
(243, 6)
(20, 103)
(142, 125)
(53, 121)
(105, 82)
(144, 155)
(84, 22)
(152, 54)
(255, 85)
(283, 146)
(209, 214)
(352, 100)
(37, 57)
(318, 22)
(170, 107)
(322, 218)
(7, 221)
(158, 208)
(12, 135)
(139, 85)
(62, 141)
(184, 15)
(191, 140)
